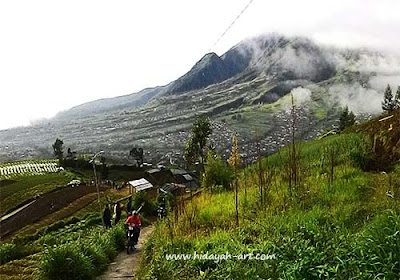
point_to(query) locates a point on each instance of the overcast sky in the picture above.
(58, 54)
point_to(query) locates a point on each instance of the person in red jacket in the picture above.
(133, 222)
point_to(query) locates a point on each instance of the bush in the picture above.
(216, 172)
(13, 251)
(8, 252)
(149, 208)
(167, 200)
(84, 257)
(67, 262)
(96, 255)
(118, 236)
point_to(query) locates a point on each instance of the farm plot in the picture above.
(11, 169)
(43, 206)
(25, 187)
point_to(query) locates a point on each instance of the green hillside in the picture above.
(340, 220)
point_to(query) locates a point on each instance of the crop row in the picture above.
(28, 168)
(32, 161)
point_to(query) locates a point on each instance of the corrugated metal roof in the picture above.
(171, 187)
(154, 170)
(187, 177)
(141, 184)
(178, 171)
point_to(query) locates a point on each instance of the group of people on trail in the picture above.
(107, 216)
(133, 219)
(117, 211)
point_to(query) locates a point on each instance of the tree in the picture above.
(347, 119)
(191, 151)
(216, 172)
(388, 104)
(196, 145)
(397, 99)
(137, 154)
(234, 162)
(58, 149)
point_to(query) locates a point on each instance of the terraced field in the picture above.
(22, 189)
(29, 167)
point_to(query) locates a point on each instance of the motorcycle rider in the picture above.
(133, 221)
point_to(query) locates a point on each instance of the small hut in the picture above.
(140, 185)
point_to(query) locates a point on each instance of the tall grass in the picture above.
(345, 228)
(83, 258)
(12, 251)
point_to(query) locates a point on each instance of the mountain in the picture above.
(244, 90)
(110, 104)
(304, 60)
(209, 70)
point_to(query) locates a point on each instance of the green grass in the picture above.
(258, 117)
(83, 257)
(70, 242)
(76, 248)
(347, 229)
(321, 113)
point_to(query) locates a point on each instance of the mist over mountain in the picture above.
(244, 90)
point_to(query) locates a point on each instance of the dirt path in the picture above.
(125, 266)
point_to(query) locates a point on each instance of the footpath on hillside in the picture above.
(125, 266)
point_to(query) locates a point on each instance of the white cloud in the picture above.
(301, 95)
(357, 98)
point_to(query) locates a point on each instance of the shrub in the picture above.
(149, 208)
(108, 246)
(118, 236)
(216, 172)
(85, 256)
(96, 255)
(13, 251)
(67, 262)
(8, 252)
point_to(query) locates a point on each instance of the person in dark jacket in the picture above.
(107, 216)
(129, 205)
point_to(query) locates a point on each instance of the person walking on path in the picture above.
(129, 205)
(107, 216)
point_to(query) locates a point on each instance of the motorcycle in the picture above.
(132, 238)
(161, 212)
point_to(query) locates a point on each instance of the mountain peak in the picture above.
(206, 61)
(208, 70)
